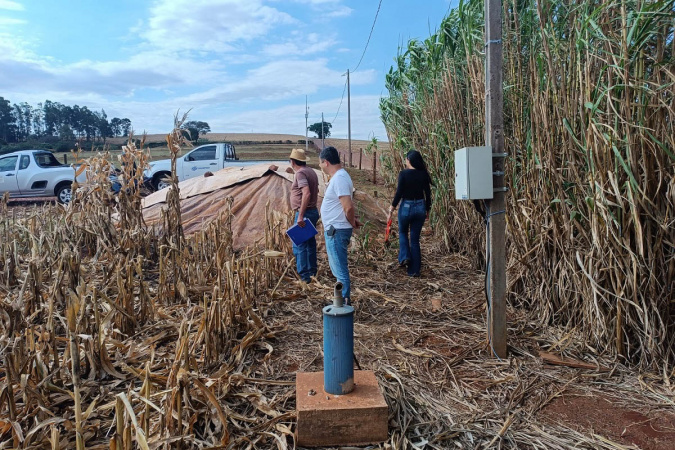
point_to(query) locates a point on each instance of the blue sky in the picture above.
(240, 65)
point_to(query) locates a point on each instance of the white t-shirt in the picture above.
(332, 212)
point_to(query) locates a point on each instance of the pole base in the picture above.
(324, 420)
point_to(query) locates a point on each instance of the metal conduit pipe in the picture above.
(338, 345)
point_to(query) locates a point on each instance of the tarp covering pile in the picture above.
(203, 199)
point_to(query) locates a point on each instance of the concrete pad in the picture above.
(358, 418)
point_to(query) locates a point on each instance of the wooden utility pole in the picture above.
(349, 119)
(494, 137)
(374, 167)
(306, 126)
(360, 157)
(323, 134)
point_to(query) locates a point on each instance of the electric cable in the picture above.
(369, 36)
(342, 98)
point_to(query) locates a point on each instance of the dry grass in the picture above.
(115, 336)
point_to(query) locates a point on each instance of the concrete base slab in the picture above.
(358, 418)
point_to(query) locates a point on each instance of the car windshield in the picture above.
(46, 160)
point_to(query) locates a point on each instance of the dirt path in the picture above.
(425, 339)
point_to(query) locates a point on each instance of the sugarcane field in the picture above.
(494, 270)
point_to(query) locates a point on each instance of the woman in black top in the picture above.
(414, 188)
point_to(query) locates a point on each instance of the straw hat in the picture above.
(299, 155)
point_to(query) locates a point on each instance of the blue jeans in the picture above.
(336, 247)
(411, 216)
(305, 253)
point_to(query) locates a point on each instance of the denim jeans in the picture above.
(411, 216)
(305, 253)
(336, 247)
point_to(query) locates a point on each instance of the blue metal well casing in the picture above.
(338, 349)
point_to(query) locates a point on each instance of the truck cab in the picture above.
(207, 158)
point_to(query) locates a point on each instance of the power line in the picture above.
(369, 36)
(343, 96)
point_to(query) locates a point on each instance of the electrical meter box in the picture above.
(473, 173)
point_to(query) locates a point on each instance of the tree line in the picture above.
(23, 122)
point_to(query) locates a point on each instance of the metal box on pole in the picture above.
(473, 173)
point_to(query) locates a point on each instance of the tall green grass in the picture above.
(588, 92)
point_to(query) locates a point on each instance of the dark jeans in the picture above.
(305, 253)
(411, 216)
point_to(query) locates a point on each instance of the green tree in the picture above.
(321, 131)
(7, 122)
(195, 128)
(125, 127)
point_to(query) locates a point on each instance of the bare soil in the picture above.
(615, 419)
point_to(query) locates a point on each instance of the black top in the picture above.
(413, 184)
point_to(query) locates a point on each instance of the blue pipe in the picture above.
(338, 345)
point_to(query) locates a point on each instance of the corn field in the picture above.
(120, 336)
(589, 92)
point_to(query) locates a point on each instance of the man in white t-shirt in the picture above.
(338, 216)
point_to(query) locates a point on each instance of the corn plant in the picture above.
(588, 93)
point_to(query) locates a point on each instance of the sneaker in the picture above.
(404, 263)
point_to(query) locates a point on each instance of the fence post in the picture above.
(65, 158)
(350, 157)
(374, 167)
(360, 157)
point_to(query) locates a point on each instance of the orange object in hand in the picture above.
(387, 231)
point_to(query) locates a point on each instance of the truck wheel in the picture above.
(64, 193)
(160, 181)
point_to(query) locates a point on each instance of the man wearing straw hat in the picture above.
(304, 196)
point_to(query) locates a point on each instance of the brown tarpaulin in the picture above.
(204, 199)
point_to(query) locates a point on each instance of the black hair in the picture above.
(300, 163)
(417, 162)
(330, 154)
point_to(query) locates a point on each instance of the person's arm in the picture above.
(344, 189)
(427, 195)
(303, 206)
(397, 196)
(350, 211)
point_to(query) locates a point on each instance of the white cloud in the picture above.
(330, 9)
(8, 22)
(275, 81)
(11, 6)
(210, 25)
(342, 11)
(301, 45)
(291, 118)
(192, 54)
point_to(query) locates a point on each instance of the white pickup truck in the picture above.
(36, 173)
(205, 158)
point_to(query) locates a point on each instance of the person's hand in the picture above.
(389, 215)
(289, 169)
(274, 168)
(357, 223)
(301, 222)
